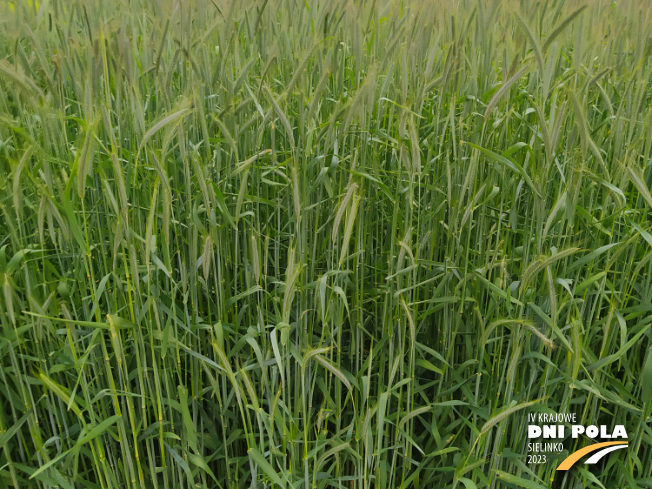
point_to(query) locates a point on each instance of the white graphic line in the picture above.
(596, 458)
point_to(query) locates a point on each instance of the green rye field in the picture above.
(311, 244)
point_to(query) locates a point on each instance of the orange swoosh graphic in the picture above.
(574, 457)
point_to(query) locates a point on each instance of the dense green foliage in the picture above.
(322, 244)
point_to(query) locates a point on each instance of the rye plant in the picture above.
(319, 244)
